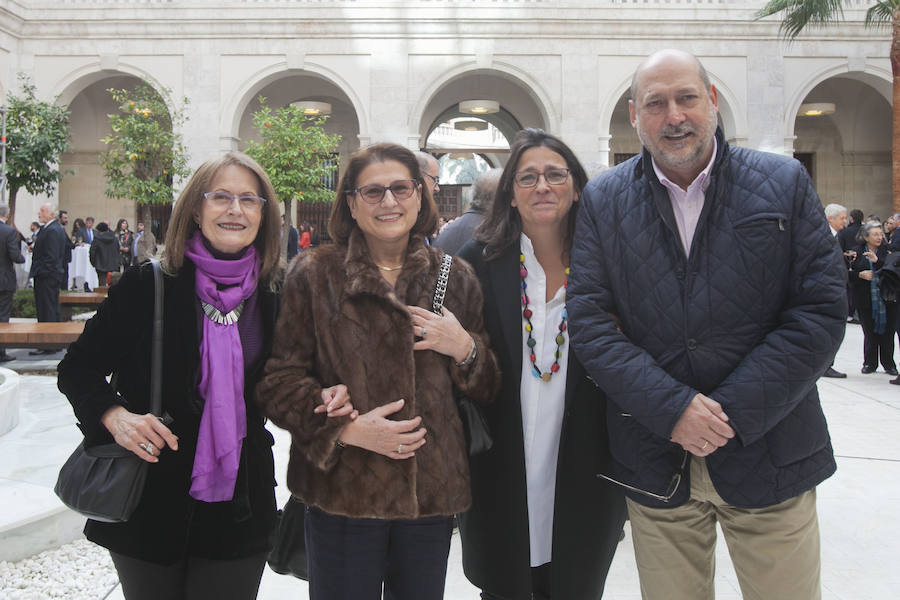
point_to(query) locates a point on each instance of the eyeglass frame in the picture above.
(384, 189)
(210, 197)
(538, 180)
(672, 488)
(436, 180)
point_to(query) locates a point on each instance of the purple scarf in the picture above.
(223, 425)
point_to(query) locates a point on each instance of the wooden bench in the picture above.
(71, 300)
(43, 336)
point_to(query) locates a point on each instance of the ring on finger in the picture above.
(705, 444)
(423, 333)
(148, 447)
(400, 449)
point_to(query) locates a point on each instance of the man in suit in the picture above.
(459, 231)
(10, 253)
(836, 215)
(49, 267)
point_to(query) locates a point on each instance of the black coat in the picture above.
(861, 288)
(168, 524)
(104, 252)
(10, 253)
(51, 253)
(588, 513)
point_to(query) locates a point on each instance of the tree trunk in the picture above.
(895, 71)
(146, 246)
(286, 228)
(11, 220)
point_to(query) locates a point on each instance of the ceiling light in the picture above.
(479, 107)
(313, 109)
(816, 109)
(470, 125)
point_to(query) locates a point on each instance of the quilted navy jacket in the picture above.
(752, 319)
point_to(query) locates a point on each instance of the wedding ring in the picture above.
(423, 333)
(400, 449)
(705, 444)
(148, 447)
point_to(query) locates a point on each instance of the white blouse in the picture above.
(543, 404)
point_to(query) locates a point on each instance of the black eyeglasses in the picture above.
(373, 193)
(222, 199)
(529, 179)
(436, 180)
(674, 483)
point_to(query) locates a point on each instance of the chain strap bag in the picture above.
(106, 482)
(475, 425)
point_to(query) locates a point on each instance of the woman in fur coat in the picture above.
(381, 489)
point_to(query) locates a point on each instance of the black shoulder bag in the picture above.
(106, 482)
(475, 425)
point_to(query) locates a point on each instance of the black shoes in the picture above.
(41, 352)
(834, 374)
(867, 369)
(892, 371)
(895, 381)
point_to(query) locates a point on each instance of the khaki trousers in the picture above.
(775, 550)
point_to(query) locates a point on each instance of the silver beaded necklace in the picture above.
(214, 314)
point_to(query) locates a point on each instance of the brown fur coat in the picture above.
(341, 322)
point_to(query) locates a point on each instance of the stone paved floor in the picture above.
(857, 507)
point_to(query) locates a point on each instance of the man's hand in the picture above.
(703, 427)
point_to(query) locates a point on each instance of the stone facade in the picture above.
(392, 69)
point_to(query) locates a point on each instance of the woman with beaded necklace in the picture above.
(542, 524)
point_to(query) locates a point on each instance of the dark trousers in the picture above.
(46, 299)
(875, 344)
(6, 302)
(352, 559)
(190, 579)
(540, 585)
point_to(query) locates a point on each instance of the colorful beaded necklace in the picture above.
(531, 342)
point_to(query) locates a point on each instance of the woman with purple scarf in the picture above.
(202, 527)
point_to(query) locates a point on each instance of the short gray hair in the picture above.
(833, 210)
(423, 158)
(483, 190)
(4, 211)
(865, 228)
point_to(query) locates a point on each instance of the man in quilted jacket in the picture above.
(706, 297)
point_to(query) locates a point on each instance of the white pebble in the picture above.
(80, 570)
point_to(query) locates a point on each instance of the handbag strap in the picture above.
(440, 289)
(156, 345)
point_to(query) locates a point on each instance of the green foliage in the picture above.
(295, 152)
(23, 304)
(37, 134)
(145, 153)
(798, 14)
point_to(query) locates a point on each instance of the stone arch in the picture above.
(75, 82)
(875, 77)
(233, 110)
(503, 71)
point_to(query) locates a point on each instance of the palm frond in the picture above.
(798, 14)
(882, 12)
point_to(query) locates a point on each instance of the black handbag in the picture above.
(106, 482)
(288, 554)
(475, 425)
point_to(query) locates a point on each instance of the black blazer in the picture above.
(860, 288)
(168, 524)
(10, 253)
(51, 253)
(589, 512)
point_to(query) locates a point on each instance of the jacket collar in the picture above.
(362, 276)
(644, 166)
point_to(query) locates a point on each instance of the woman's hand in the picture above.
(441, 333)
(373, 431)
(145, 435)
(336, 402)
(867, 275)
(870, 254)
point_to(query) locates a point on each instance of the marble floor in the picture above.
(860, 526)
